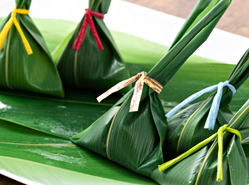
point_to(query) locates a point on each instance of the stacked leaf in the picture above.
(186, 128)
(135, 139)
(224, 162)
(25, 61)
(97, 63)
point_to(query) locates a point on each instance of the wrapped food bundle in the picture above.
(91, 58)
(25, 61)
(219, 159)
(186, 128)
(133, 131)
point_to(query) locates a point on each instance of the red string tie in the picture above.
(88, 21)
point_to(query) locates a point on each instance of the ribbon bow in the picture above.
(202, 144)
(8, 25)
(88, 20)
(211, 119)
(141, 78)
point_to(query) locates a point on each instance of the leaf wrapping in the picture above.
(186, 128)
(89, 67)
(35, 72)
(201, 167)
(135, 139)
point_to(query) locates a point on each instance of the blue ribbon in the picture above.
(211, 119)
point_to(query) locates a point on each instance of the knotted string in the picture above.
(88, 21)
(211, 119)
(141, 78)
(202, 144)
(8, 25)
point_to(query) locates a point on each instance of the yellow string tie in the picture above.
(8, 25)
(141, 78)
(202, 144)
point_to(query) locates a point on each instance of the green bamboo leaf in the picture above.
(172, 61)
(186, 128)
(33, 155)
(182, 173)
(60, 117)
(54, 116)
(74, 113)
(135, 57)
(234, 164)
(197, 12)
(90, 68)
(105, 6)
(202, 165)
(21, 71)
(245, 145)
(237, 162)
(142, 55)
(13, 168)
(176, 95)
(46, 149)
(135, 139)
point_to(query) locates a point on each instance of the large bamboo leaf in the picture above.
(14, 168)
(21, 147)
(61, 117)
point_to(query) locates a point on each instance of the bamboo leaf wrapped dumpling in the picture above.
(219, 159)
(186, 128)
(91, 58)
(25, 61)
(135, 139)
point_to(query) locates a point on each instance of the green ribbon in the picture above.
(202, 144)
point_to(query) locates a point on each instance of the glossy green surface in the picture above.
(197, 73)
(186, 129)
(210, 73)
(135, 139)
(89, 67)
(139, 133)
(37, 173)
(18, 70)
(245, 145)
(62, 117)
(201, 167)
(23, 143)
(190, 37)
